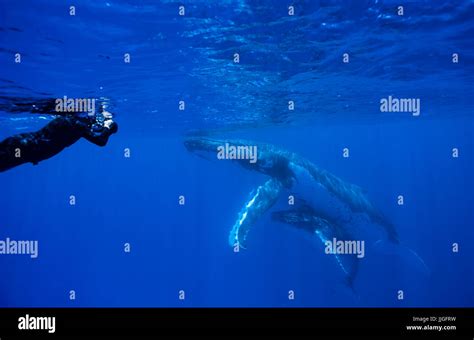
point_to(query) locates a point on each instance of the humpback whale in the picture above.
(286, 170)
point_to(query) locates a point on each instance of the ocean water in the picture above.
(427, 54)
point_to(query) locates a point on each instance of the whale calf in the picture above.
(328, 231)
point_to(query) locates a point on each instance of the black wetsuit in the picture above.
(53, 138)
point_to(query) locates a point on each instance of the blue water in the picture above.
(135, 200)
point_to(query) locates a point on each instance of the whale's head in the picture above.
(303, 220)
(237, 150)
(252, 156)
(201, 146)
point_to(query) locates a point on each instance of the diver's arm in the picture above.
(97, 139)
(101, 136)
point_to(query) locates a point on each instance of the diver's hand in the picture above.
(108, 123)
(111, 125)
(107, 115)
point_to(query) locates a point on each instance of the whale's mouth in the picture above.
(193, 144)
(189, 145)
(202, 147)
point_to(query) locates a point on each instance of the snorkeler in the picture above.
(58, 134)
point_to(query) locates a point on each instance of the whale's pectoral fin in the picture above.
(349, 262)
(262, 199)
